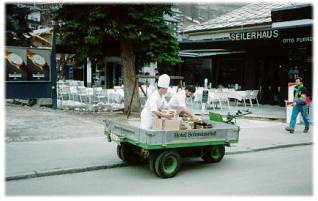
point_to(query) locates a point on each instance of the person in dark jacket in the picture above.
(300, 105)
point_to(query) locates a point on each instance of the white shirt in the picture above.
(155, 102)
(178, 100)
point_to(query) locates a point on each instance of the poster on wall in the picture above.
(16, 65)
(38, 64)
(27, 64)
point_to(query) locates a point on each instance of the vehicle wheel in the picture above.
(128, 154)
(152, 160)
(119, 152)
(168, 164)
(213, 154)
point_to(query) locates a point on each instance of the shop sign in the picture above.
(26, 64)
(254, 35)
(296, 40)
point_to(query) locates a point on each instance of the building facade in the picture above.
(258, 46)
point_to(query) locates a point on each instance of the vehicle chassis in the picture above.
(163, 149)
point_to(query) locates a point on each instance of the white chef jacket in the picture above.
(155, 102)
(178, 100)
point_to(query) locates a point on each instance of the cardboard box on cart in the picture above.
(173, 124)
(166, 124)
(157, 124)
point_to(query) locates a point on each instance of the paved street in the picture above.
(285, 172)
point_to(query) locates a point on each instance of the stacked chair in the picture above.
(73, 95)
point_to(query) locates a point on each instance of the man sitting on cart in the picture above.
(178, 102)
(155, 103)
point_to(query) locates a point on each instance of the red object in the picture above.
(307, 100)
(290, 84)
(289, 103)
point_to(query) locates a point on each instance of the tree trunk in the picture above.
(130, 85)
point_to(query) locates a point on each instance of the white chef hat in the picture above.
(164, 81)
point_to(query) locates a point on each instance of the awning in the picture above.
(205, 53)
(284, 35)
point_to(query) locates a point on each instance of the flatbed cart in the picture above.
(163, 149)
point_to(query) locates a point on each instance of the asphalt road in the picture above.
(286, 172)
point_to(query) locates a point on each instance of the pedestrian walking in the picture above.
(300, 105)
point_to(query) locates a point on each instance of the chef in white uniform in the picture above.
(155, 103)
(178, 102)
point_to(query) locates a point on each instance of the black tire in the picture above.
(167, 164)
(213, 154)
(152, 160)
(128, 154)
(119, 152)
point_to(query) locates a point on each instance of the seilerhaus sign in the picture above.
(282, 36)
(254, 35)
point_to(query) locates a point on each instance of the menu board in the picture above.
(27, 64)
(205, 96)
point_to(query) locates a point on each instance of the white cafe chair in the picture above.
(253, 95)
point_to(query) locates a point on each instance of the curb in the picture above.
(36, 174)
(268, 148)
(63, 171)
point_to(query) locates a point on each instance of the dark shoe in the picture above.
(291, 130)
(306, 130)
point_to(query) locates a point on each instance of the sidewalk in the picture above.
(265, 112)
(42, 141)
(261, 112)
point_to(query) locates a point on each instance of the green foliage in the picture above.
(90, 27)
(17, 30)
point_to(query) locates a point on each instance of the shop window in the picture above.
(230, 72)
